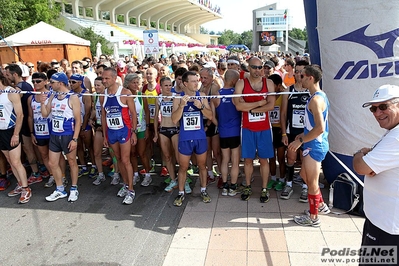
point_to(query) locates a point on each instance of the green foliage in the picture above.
(120, 18)
(246, 38)
(298, 34)
(203, 30)
(133, 21)
(90, 35)
(17, 15)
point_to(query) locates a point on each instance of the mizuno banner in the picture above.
(358, 48)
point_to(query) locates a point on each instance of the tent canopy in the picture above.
(237, 46)
(43, 34)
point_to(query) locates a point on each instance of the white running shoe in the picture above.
(98, 180)
(136, 179)
(115, 179)
(147, 181)
(57, 195)
(73, 195)
(129, 198)
(50, 182)
(122, 192)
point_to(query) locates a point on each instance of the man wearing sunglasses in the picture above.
(380, 166)
(256, 131)
(315, 144)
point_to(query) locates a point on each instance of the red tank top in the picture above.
(256, 121)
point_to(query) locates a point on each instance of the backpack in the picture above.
(346, 194)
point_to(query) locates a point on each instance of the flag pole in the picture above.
(286, 31)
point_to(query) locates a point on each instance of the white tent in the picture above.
(41, 34)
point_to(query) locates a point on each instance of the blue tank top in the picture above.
(191, 126)
(229, 119)
(117, 113)
(62, 119)
(321, 142)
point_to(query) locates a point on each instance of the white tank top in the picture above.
(7, 113)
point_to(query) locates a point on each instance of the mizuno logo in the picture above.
(190, 109)
(381, 45)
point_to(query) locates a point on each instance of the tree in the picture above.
(246, 38)
(17, 15)
(203, 30)
(90, 35)
(229, 37)
(298, 34)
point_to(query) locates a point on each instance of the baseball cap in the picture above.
(210, 64)
(77, 77)
(121, 64)
(384, 93)
(269, 64)
(25, 71)
(61, 77)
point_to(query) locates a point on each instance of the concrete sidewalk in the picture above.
(229, 231)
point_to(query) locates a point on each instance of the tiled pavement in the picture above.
(229, 231)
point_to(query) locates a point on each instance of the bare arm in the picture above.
(283, 118)
(75, 105)
(87, 106)
(239, 102)
(178, 105)
(359, 164)
(46, 108)
(270, 99)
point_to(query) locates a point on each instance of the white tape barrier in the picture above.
(151, 96)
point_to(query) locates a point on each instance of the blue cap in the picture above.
(61, 77)
(77, 77)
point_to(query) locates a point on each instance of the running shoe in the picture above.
(73, 195)
(172, 185)
(322, 210)
(4, 184)
(136, 179)
(25, 195)
(16, 191)
(93, 172)
(271, 184)
(225, 189)
(287, 192)
(50, 182)
(246, 193)
(122, 191)
(147, 181)
(178, 200)
(129, 198)
(187, 188)
(99, 179)
(304, 195)
(305, 220)
(115, 179)
(83, 172)
(34, 178)
(57, 195)
(167, 180)
(205, 197)
(279, 186)
(164, 171)
(264, 195)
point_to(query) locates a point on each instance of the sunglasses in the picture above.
(231, 64)
(256, 67)
(382, 107)
(37, 80)
(302, 76)
(31, 66)
(72, 81)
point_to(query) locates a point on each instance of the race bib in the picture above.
(298, 119)
(114, 121)
(41, 128)
(275, 115)
(152, 110)
(192, 121)
(256, 117)
(58, 124)
(166, 109)
(98, 114)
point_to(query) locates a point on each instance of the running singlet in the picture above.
(117, 113)
(98, 110)
(321, 142)
(40, 124)
(63, 121)
(165, 107)
(138, 102)
(152, 101)
(191, 126)
(229, 119)
(255, 121)
(7, 113)
(82, 106)
(274, 115)
(296, 111)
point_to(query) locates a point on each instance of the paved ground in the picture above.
(99, 230)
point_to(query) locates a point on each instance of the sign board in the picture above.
(151, 44)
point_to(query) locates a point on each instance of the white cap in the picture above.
(384, 93)
(25, 71)
(210, 64)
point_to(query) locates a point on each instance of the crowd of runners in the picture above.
(194, 108)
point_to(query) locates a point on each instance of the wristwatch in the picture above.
(300, 140)
(202, 107)
(75, 139)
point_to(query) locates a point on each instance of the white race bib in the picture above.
(152, 110)
(192, 121)
(166, 109)
(114, 121)
(41, 128)
(275, 115)
(256, 117)
(298, 119)
(58, 124)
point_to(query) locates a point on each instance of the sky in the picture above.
(238, 14)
